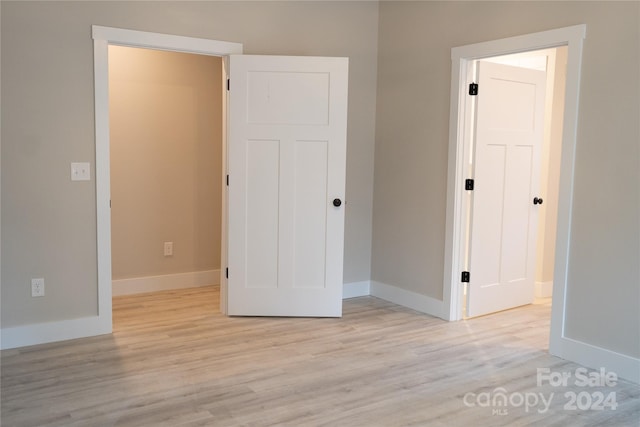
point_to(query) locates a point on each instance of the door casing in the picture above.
(459, 150)
(102, 38)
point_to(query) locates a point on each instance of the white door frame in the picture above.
(102, 38)
(457, 206)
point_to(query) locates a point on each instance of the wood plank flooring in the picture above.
(174, 360)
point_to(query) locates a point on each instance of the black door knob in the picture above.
(337, 202)
(537, 201)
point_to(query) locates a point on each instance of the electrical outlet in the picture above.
(37, 287)
(168, 248)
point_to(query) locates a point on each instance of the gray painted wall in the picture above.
(48, 223)
(414, 68)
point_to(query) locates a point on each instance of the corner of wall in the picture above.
(409, 299)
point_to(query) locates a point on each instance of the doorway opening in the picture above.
(103, 38)
(457, 209)
(256, 103)
(513, 264)
(166, 167)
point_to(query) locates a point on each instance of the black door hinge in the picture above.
(227, 180)
(465, 277)
(468, 184)
(473, 89)
(228, 84)
(226, 273)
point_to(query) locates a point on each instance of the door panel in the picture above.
(287, 159)
(288, 98)
(310, 213)
(263, 159)
(517, 215)
(509, 133)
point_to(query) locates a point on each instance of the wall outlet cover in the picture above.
(37, 287)
(168, 248)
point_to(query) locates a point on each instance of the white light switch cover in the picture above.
(80, 172)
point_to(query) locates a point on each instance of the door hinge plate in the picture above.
(465, 277)
(227, 180)
(469, 184)
(228, 84)
(473, 89)
(226, 273)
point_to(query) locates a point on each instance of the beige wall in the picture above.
(414, 66)
(165, 120)
(48, 222)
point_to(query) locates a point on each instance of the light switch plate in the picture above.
(80, 171)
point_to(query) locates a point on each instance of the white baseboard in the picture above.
(40, 333)
(623, 366)
(140, 285)
(544, 289)
(356, 289)
(408, 299)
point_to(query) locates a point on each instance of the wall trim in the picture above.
(409, 299)
(356, 289)
(623, 366)
(544, 289)
(41, 333)
(140, 285)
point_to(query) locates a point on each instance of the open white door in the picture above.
(509, 134)
(286, 166)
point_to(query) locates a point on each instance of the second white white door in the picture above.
(508, 143)
(286, 165)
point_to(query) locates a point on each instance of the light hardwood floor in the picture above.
(174, 360)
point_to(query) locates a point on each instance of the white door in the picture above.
(508, 142)
(286, 165)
